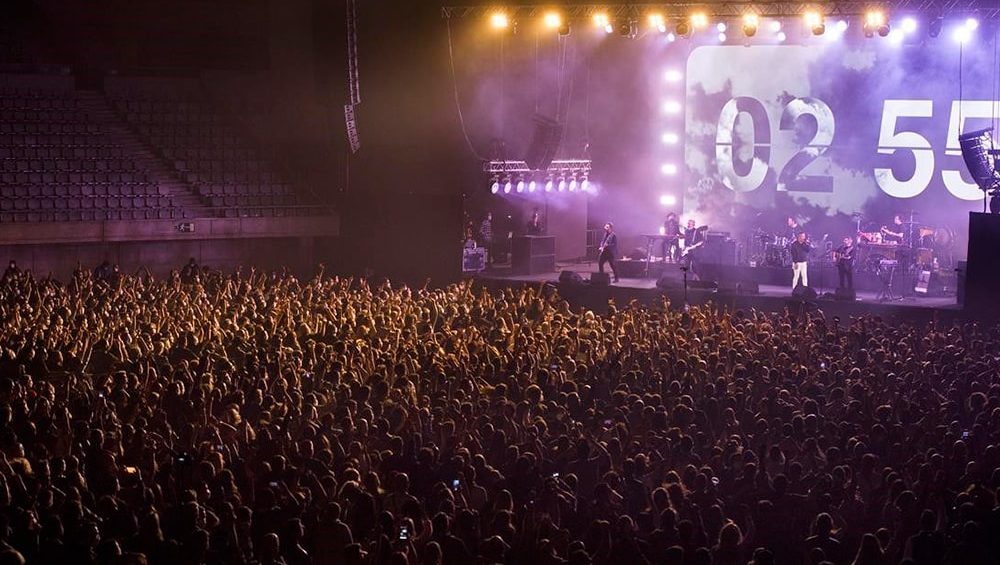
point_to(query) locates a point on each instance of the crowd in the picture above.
(258, 418)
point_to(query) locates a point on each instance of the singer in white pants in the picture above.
(800, 249)
(800, 270)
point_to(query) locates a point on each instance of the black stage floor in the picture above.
(769, 297)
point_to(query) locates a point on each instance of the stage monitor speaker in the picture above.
(739, 287)
(544, 143)
(845, 295)
(600, 279)
(804, 292)
(703, 285)
(570, 278)
(929, 284)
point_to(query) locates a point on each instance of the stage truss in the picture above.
(680, 9)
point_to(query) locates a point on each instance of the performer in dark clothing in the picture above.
(800, 249)
(609, 250)
(794, 227)
(486, 236)
(672, 231)
(845, 263)
(535, 223)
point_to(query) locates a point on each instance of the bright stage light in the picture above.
(532, 186)
(721, 27)
(602, 21)
(699, 20)
(553, 20)
(672, 107)
(572, 185)
(507, 187)
(775, 26)
(750, 23)
(671, 37)
(585, 185)
(495, 187)
(671, 138)
(658, 22)
(520, 186)
(668, 200)
(548, 185)
(499, 20)
(669, 169)
(562, 185)
(896, 36)
(875, 22)
(815, 22)
(972, 24)
(722, 37)
(781, 36)
(962, 34)
(842, 26)
(673, 75)
(909, 25)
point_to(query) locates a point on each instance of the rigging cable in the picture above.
(458, 104)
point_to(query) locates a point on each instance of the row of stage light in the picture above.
(520, 186)
(874, 22)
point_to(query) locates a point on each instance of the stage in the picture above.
(732, 293)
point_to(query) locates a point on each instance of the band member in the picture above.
(672, 231)
(793, 228)
(535, 223)
(896, 233)
(609, 250)
(486, 235)
(800, 249)
(845, 263)
(692, 235)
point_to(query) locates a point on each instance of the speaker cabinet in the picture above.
(982, 275)
(600, 279)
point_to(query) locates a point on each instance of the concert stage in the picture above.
(769, 297)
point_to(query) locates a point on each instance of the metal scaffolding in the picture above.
(983, 9)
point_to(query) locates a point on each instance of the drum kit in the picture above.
(922, 247)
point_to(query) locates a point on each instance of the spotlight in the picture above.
(934, 28)
(562, 185)
(553, 20)
(683, 29)
(520, 186)
(721, 27)
(842, 26)
(815, 22)
(548, 185)
(585, 184)
(671, 138)
(673, 75)
(499, 20)
(495, 187)
(668, 200)
(658, 22)
(532, 186)
(602, 21)
(775, 26)
(781, 36)
(909, 25)
(722, 37)
(671, 37)
(672, 107)
(563, 29)
(875, 22)
(626, 28)
(699, 20)
(669, 169)
(573, 184)
(896, 36)
(962, 34)
(507, 187)
(750, 23)
(972, 24)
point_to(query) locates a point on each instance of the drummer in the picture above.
(896, 233)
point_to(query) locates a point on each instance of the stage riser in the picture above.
(821, 278)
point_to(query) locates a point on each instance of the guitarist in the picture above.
(609, 250)
(844, 255)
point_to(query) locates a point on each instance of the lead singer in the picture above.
(800, 249)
